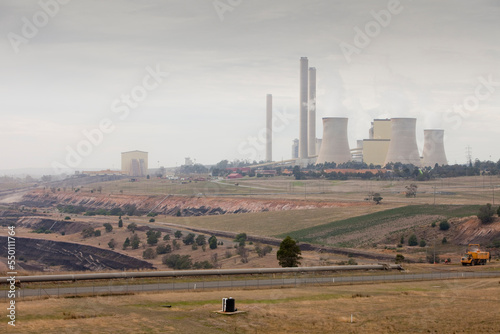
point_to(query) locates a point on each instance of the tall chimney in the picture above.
(303, 154)
(269, 127)
(311, 133)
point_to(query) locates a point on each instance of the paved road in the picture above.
(101, 288)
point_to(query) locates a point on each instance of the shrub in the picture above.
(201, 240)
(166, 237)
(178, 234)
(88, 232)
(413, 241)
(203, 265)
(97, 233)
(433, 224)
(176, 261)
(486, 213)
(149, 254)
(163, 249)
(188, 239)
(444, 241)
(108, 227)
(422, 243)
(152, 220)
(132, 227)
(444, 225)
(194, 247)
(67, 218)
(430, 258)
(112, 243)
(399, 258)
(120, 223)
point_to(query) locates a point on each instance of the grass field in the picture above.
(338, 229)
(463, 190)
(272, 223)
(451, 306)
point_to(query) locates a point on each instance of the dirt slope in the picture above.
(170, 205)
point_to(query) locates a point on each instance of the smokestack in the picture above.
(434, 148)
(311, 134)
(303, 146)
(335, 145)
(269, 127)
(403, 146)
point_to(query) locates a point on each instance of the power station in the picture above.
(391, 140)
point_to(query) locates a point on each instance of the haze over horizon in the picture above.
(200, 72)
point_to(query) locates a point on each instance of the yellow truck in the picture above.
(475, 256)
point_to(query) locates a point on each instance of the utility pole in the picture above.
(434, 194)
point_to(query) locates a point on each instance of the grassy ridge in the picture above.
(356, 224)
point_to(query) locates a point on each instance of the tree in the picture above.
(135, 241)
(411, 190)
(178, 234)
(132, 227)
(188, 239)
(400, 258)
(176, 261)
(108, 227)
(201, 240)
(88, 232)
(241, 238)
(176, 245)
(212, 242)
(149, 254)
(377, 198)
(486, 213)
(289, 253)
(422, 243)
(120, 223)
(412, 240)
(112, 243)
(166, 237)
(126, 243)
(498, 211)
(444, 225)
(163, 249)
(153, 237)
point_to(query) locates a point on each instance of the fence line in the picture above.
(98, 288)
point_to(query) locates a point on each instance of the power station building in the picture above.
(135, 163)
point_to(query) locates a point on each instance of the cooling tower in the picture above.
(403, 146)
(303, 154)
(269, 127)
(311, 133)
(335, 145)
(434, 148)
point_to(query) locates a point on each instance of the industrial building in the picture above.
(335, 145)
(135, 163)
(389, 140)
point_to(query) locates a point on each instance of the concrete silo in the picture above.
(403, 146)
(434, 148)
(335, 145)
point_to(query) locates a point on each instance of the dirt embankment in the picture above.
(470, 230)
(71, 256)
(172, 205)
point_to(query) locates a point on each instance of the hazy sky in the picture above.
(74, 66)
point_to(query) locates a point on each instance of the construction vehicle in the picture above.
(475, 256)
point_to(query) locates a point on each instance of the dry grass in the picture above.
(415, 307)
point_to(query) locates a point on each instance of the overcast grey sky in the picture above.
(69, 73)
